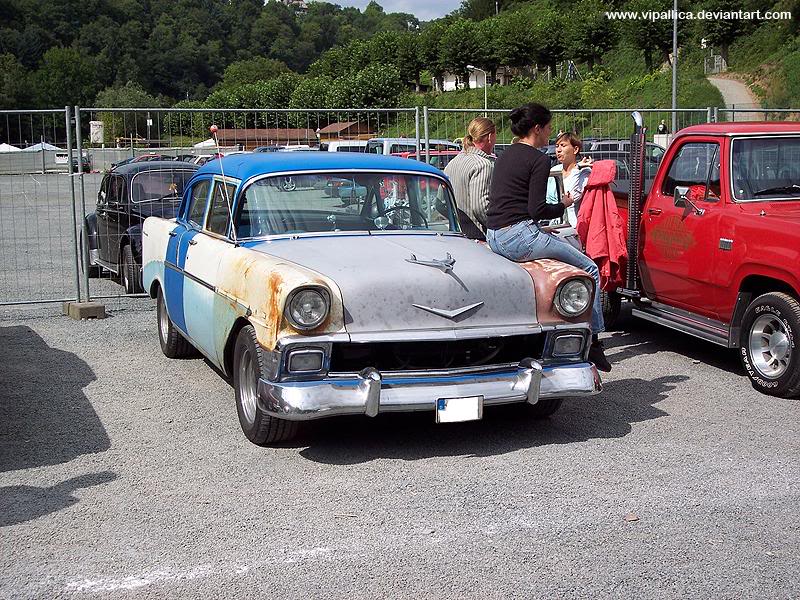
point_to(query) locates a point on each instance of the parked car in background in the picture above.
(389, 146)
(346, 146)
(315, 309)
(142, 158)
(112, 234)
(438, 158)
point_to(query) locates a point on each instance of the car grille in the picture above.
(415, 356)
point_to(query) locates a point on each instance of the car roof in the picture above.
(745, 128)
(245, 166)
(154, 165)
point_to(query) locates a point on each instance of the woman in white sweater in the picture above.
(574, 172)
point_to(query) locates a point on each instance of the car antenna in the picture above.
(213, 129)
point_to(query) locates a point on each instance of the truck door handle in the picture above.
(192, 242)
(653, 211)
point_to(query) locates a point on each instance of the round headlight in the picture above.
(574, 297)
(308, 308)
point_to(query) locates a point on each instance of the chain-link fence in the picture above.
(37, 207)
(70, 227)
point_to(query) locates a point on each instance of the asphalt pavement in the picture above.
(124, 474)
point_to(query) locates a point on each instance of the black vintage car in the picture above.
(129, 194)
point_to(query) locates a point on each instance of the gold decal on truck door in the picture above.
(671, 237)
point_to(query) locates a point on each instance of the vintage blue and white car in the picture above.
(366, 301)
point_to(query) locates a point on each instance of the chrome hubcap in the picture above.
(247, 386)
(769, 346)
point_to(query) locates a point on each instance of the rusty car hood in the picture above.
(383, 289)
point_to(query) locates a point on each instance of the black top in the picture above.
(519, 188)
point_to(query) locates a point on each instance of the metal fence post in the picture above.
(427, 136)
(709, 115)
(74, 204)
(416, 127)
(716, 114)
(85, 245)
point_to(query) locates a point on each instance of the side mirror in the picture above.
(680, 196)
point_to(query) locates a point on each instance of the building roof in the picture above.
(337, 127)
(247, 165)
(264, 135)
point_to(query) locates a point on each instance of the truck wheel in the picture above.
(129, 272)
(544, 407)
(248, 367)
(768, 344)
(173, 344)
(612, 305)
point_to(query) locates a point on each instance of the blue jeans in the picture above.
(524, 241)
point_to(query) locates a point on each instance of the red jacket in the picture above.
(600, 227)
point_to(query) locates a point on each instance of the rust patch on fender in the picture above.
(547, 275)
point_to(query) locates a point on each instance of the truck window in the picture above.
(766, 168)
(375, 147)
(695, 166)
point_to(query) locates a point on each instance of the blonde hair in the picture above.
(478, 129)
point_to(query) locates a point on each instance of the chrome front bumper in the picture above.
(368, 392)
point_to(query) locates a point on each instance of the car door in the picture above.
(188, 224)
(108, 215)
(679, 247)
(203, 252)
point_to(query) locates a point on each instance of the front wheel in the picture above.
(544, 408)
(611, 303)
(248, 367)
(768, 344)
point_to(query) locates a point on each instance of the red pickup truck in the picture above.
(714, 247)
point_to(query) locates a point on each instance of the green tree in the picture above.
(460, 47)
(649, 36)
(252, 70)
(14, 87)
(721, 33)
(592, 35)
(124, 124)
(66, 76)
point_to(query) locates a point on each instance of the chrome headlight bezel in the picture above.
(293, 296)
(565, 287)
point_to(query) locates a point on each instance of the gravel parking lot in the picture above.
(124, 474)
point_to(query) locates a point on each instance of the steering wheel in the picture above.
(402, 207)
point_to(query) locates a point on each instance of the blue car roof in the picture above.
(245, 166)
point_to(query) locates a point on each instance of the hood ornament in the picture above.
(449, 314)
(446, 264)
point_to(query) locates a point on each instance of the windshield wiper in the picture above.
(781, 189)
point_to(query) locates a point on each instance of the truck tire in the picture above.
(248, 366)
(544, 408)
(612, 305)
(129, 272)
(173, 344)
(769, 344)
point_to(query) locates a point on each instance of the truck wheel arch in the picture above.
(753, 286)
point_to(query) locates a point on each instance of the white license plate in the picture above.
(455, 410)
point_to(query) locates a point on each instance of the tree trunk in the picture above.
(591, 63)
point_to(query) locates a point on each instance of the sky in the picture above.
(424, 10)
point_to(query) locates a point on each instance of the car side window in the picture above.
(219, 213)
(102, 195)
(694, 167)
(198, 202)
(116, 190)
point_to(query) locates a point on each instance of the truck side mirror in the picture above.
(680, 195)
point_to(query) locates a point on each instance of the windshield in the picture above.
(766, 168)
(345, 202)
(155, 185)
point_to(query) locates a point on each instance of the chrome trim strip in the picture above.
(370, 393)
(686, 322)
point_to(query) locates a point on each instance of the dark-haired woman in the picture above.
(517, 204)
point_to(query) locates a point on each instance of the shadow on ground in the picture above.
(21, 503)
(633, 337)
(45, 418)
(413, 436)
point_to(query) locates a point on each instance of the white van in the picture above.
(347, 146)
(395, 145)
